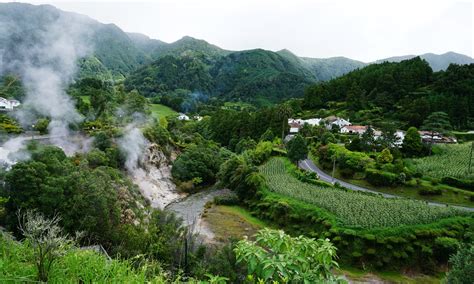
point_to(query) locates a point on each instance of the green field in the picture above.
(448, 160)
(351, 208)
(158, 111)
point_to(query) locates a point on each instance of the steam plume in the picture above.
(45, 58)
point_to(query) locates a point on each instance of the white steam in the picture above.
(133, 145)
(46, 62)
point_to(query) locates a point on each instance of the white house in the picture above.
(353, 129)
(182, 116)
(334, 120)
(6, 104)
(312, 121)
(197, 117)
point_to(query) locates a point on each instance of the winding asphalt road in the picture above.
(310, 166)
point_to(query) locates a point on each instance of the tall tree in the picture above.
(297, 149)
(437, 122)
(284, 112)
(412, 145)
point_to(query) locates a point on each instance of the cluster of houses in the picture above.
(182, 116)
(6, 104)
(346, 127)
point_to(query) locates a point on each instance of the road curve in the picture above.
(310, 166)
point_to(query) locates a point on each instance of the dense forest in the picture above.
(405, 92)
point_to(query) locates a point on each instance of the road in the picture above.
(310, 166)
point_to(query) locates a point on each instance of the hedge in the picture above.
(421, 246)
(460, 183)
(381, 178)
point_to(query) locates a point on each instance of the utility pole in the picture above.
(333, 167)
(470, 157)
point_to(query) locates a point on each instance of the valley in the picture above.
(127, 159)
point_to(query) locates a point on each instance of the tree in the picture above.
(367, 139)
(275, 257)
(46, 238)
(437, 122)
(389, 138)
(267, 135)
(197, 161)
(385, 157)
(41, 125)
(462, 269)
(297, 149)
(412, 145)
(284, 112)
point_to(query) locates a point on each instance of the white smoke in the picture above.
(46, 62)
(133, 145)
(13, 151)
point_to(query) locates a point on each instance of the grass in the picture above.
(351, 208)
(17, 265)
(158, 111)
(362, 276)
(232, 222)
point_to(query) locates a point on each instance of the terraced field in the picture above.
(351, 208)
(448, 160)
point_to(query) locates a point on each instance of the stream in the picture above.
(190, 209)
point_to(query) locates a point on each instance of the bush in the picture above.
(228, 199)
(430, 191)
(381, 178)
(464, 184)
(462, 270)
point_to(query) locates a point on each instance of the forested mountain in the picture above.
(324, 69)
(406, 92)
(437, 61)
(257, 76)
(197, 66)
(25, 25)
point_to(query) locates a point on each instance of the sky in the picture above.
(363, 30)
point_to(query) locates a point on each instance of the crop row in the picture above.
(351, 208)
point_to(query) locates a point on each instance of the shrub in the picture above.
(430, 191)
(464, 184)
(381, 178)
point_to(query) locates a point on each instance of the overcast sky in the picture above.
(363, 30)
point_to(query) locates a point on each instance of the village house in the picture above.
(354, 129)
(182, 116)
(435, 137)
(334, 120)
(6, 104)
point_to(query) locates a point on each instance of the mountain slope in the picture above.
(437, 61)
(24, 26)
(257, 76)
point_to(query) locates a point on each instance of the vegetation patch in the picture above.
(232, 222)
(351, 208)
(448, 160)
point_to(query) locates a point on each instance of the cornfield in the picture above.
(351, 208)
(448, 161)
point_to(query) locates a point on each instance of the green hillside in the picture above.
(405, 92)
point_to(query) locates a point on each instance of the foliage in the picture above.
(407, 91)
(198, 161)
(9, 125)
(46, 239)
(437, 122)
(381, 178)
(297, 149)
(54, 184)
(352, 208)
(412, 145)
(385, 157)
(275, 256)
(462, 269)
(41, 125)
